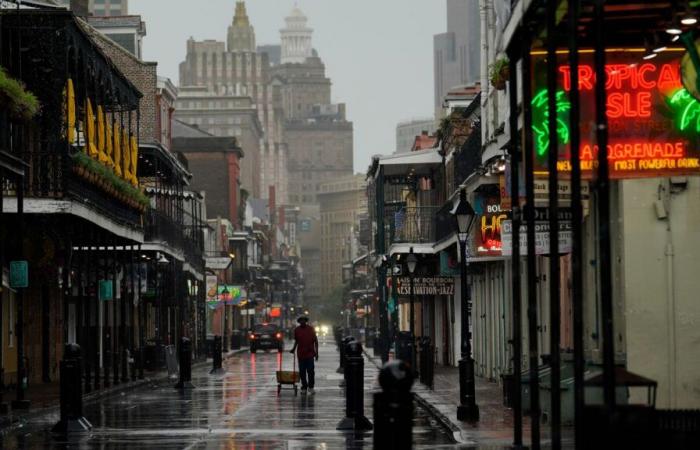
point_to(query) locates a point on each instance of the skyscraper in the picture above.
(457, 52)
(317, 133)
(222, 74)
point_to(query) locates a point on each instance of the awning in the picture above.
(423, 249)
(422, 161)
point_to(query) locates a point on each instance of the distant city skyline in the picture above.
(378, 54)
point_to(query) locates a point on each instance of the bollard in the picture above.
(343, 343)
(185, 381)
(72, 420)
(142, 362)
(429, 352)
(393, 408)
(216, 357)
(405, 348)
(354, 390)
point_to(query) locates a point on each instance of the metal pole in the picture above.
(468, 410)
(20, 402)
(605, 263)
(554, 281)
(412, 317)
(531, 256)
(577, 225)
(380, 243)
(515, 258)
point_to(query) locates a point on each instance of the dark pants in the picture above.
(306, 371)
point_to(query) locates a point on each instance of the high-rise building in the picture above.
(296, 38)
(234, 69)
(317, 133)
(406, 133)
(343, 201)
(457, 52)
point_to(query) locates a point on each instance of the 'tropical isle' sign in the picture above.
(653, 121)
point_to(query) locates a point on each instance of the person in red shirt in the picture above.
(306, 346)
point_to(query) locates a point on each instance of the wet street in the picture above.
(237, 410)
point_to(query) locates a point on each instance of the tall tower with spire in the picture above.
(296, 38)
(241, 34)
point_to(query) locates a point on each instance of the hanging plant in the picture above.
(499, 72)
(21, 104)
(104, 178)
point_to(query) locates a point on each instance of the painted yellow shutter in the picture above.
(134, 161)
(109, 142)
(70, 112)
(126, 156)
(117, 155)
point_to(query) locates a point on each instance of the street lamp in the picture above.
(468, 410)
(411, 262)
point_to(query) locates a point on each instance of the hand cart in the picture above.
(285, 377)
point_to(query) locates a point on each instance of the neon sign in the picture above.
(654, 122)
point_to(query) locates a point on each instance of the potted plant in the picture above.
(499, 72)
(19, 102)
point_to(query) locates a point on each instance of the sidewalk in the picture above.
(45, 397)
(495, 427)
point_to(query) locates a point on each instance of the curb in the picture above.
(432, 410)
(442, 418)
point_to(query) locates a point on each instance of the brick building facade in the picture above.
(215, 165)
(342, 202)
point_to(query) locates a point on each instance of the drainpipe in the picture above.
(671, 301)
(485, 86)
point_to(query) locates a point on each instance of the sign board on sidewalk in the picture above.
(105, 291)
(19, 274)
(541, 233)
(426, 285)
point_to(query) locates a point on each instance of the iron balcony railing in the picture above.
(51, 172)
(162, 228)
(411, 224)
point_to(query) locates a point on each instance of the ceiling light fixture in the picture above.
(674, 27)
(687, 16)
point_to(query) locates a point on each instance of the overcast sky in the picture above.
(378, 53)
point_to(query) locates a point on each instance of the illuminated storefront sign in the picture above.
(654, 122)
(490, 216)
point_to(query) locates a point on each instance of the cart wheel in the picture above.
(279, 389)
(295, 390)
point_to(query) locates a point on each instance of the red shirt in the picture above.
(305, 338)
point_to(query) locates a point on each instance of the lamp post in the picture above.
(468, 410)
(411, 262)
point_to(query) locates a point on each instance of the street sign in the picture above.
(105, 292)
(19, 274)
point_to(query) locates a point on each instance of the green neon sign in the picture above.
(687, 110)
(540, 120)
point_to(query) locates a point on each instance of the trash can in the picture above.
(404, 347)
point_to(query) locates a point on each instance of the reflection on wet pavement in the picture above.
(237, 410)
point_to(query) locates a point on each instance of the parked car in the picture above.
(266, 336)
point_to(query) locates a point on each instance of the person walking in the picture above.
(306, 346)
